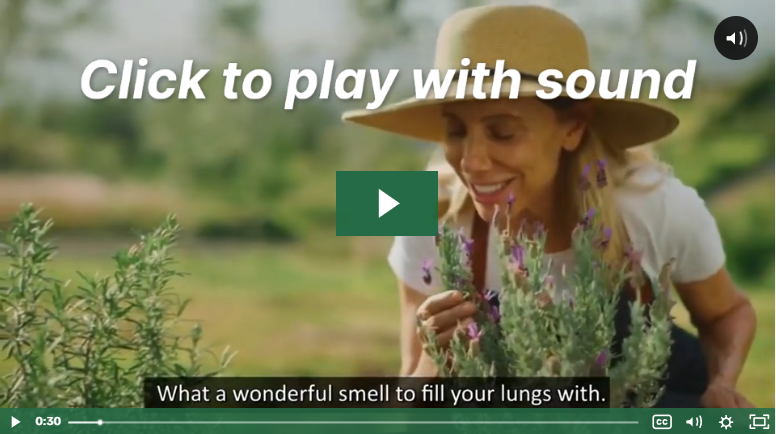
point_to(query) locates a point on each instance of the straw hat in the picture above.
(529, 39)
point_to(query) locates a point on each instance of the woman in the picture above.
(534, 151)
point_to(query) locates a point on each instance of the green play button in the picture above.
(386, 203)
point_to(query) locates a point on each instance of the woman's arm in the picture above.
(674, 222)
(726, 324)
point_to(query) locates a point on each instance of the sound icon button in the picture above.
(742, 39)
(735, 38)
(696, 421)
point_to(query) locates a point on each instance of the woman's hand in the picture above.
(719, 395)
(444, 314)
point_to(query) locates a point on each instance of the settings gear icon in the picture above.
(726, 422)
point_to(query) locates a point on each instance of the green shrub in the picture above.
(92, 346)
(749, 244)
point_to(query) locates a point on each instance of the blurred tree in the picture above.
(634, 35)
(736, 142)
(34, 29)
(249, 155)
(462, 4)
(384, 25)
(233, 32)
(659, 11)
(735, 136)
(657, 15)
(749, 108)
(206, 146)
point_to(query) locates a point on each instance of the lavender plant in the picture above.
(92, 346)
(530, 329)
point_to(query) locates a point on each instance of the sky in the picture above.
(304, 33)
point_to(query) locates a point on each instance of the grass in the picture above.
(290, 312)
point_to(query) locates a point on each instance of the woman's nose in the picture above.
(475, 157)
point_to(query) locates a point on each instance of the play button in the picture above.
(14, 421)
(417, 192)
(385, 203)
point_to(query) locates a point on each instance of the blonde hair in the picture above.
(455, 201)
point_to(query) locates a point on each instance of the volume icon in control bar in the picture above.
(696, 421)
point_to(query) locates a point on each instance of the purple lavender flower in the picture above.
(518, 260)
(634, 269)
(598, 369)
(492, 297)
(603, 242)
(427, 266)
(539, 228)
(510, 202)
(468, 245)
(600, 174)
(587, 220)
(584, 178)
(494, 302)
(473, 331)
(634, 258)
(601, 359)
(495, 313)
(518, 254)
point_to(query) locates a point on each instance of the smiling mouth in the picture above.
(489, 189)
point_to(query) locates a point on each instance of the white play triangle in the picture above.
(14, 421)
(386, 203)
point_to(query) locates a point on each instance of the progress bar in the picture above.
(354, 422)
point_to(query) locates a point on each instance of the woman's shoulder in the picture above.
(656, 200)
(665, 218)
(654, 184)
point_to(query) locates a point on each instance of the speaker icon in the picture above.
(735, 38)
(742, 39)
(696, 421)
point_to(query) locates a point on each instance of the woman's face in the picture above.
(499, 147)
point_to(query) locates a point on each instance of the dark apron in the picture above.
(687, 377)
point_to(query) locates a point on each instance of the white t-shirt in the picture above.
(668, 221)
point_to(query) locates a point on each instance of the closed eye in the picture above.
(454, 128)
(501, 133)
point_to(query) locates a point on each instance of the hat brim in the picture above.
(622, 123)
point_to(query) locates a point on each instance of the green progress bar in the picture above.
(330, 422)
